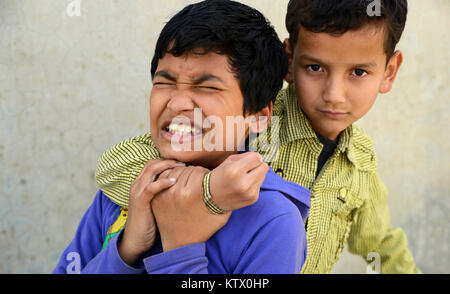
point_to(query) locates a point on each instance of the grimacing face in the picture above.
(338, 77)
(191, 98)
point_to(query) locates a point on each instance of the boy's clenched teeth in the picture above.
(181, 129)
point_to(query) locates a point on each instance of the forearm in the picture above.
(395, 256)
(372, 232)
(119, 166)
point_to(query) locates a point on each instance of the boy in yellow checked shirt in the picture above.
(340, 59)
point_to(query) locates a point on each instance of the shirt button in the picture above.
(342, 194)
(280, 172)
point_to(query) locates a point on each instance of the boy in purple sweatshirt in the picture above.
(213, 61)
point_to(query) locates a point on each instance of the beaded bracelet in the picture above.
(207, 197)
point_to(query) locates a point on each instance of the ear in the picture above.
(287, 45)
(261, 119)
(391, 72)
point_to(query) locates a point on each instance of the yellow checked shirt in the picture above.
(348, 199)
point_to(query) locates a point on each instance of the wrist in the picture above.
(127, 252)
(171, 246)
(208, 198)
(168, 245)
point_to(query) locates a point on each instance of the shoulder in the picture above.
(271, 206)
(279, 204)
(362, 141)
(272, 217)
(279, 105)
(103, 208)
(105, 201)
(362, 151)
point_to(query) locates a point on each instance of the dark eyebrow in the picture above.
(196, 81)
(165, 74)
(312, 59)
(205, 78)
(370, 64)
(364, 65)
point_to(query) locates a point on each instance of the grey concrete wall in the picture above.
(72, 86)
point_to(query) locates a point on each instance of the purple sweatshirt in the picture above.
(267, 237)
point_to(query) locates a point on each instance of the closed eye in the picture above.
(207, 88)
(163, 84)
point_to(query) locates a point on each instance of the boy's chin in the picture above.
(179, 155)
(331, 133)
(207, 159)
(188, 157)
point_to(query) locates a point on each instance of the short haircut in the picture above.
(255, 54)
(340, 16)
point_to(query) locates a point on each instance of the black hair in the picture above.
(255, 54)
(340, 16)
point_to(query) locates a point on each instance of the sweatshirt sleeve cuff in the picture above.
(116, 261)
(188, 259)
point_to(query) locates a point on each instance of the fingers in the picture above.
(254, 179)
(246, 161)
(146, 167)
(156, 187)
(184, 176)
(159, 167)
(192, 177)
(165, 174)
(154, 168)
(258, 174)
(175, 172)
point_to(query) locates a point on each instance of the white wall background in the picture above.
(70, 87)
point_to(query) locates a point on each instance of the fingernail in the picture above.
(172, 180)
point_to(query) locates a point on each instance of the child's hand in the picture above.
(235, 183)
(140, 230)
(180, 213)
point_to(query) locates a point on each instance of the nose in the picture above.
(334, 91)
(180, 100)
